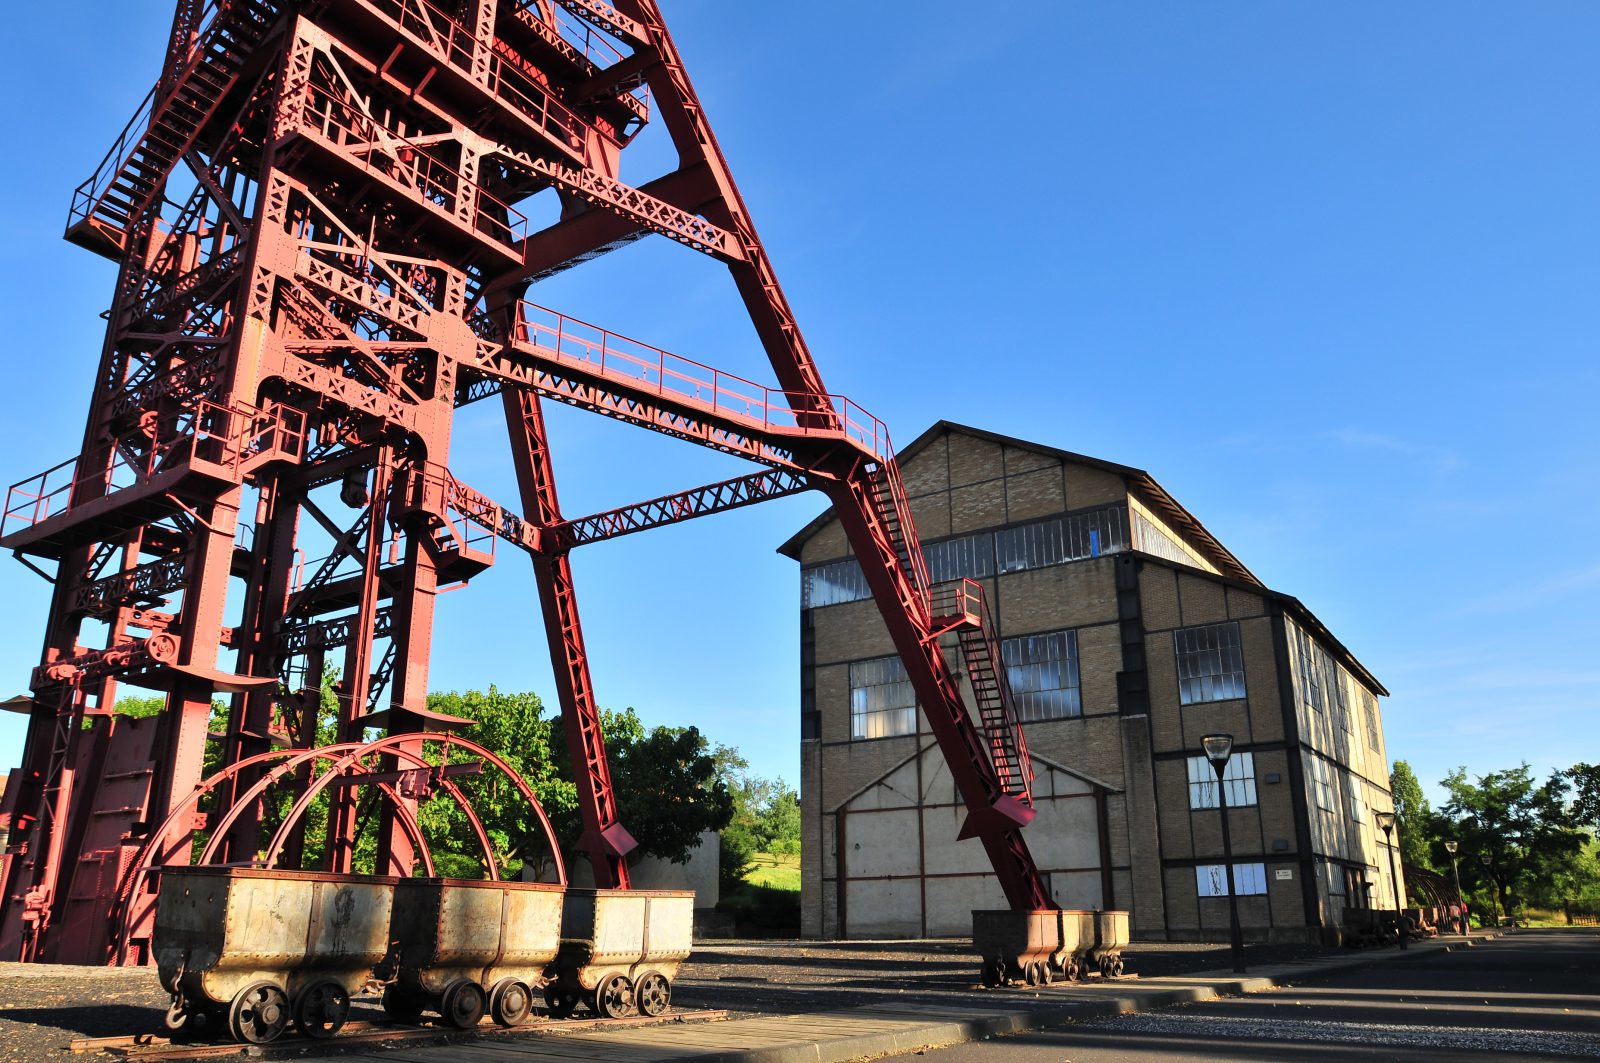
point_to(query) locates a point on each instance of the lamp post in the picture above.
(1455, 873)
(1386, 824)
(1218, 748)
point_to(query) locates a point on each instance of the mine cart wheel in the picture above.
(510, 1002)
(560, 1003)
(258, 1013)
(1083, 970)
(1069, 971)
(1046, 973)
(402, 1006)
(1116, 966)
(653, 995)
(463, 1004)
(1030, 973)
(321, 1009)
(994, 973)
(613, 997)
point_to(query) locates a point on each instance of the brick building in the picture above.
(1128, 631)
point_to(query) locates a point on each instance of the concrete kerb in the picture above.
(1091, 1001)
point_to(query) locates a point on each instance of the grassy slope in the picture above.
(775, 871)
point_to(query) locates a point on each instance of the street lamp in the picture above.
(1386, 824)
(1218, 748)
(1450, 847)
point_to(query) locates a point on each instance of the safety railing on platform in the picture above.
(379, 150)
(232, 439)
(652, 370)
(455, 44)
(88, 194)
(586, 43)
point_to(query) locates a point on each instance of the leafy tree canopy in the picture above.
(1514, 834)
(1412, 816)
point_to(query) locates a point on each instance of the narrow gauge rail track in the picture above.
(155, 1047)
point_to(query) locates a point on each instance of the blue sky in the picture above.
(1328, 271)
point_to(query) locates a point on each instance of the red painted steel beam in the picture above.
(684, 505)
(605, 840)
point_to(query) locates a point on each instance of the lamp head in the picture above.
(1218, 747)
(1451, 846)
(1386, 822)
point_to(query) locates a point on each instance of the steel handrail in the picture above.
(429, 171)
(684, 380)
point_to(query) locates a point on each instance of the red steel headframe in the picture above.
(318, 219)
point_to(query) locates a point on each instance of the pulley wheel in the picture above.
(613, 997)
(258, 1013)
(653, 995)
(510, 1002)
(463, 1004)
(321, 1008)
(560, 1003)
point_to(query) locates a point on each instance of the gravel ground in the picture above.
(46, 1006)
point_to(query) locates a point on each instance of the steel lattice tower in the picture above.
(315, 215)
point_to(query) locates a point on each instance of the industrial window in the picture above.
(1337, 702)
(965, 557)
(1239, 777)
(1250, 880)
(1358, 807)
(1149, 537)
(1322, 783)
(1310, 680)
(1370, 704)
(1050, 542)
(882, 702)
(832, 584)
(1043, 672)
(1210, 663)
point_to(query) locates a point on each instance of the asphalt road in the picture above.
(1530, 995)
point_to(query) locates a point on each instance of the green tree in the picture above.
(1413, 817)
(139, 706)
(514, 727)
(668, 786)
(1585, 780)
(1514, 833)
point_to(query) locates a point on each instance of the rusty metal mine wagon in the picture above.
(1071, 960)
(620, 950)
(462, 948)
(251, 949)
(1110, 938)
(1035, 947)
(1016, 945)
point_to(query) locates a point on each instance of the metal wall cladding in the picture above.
(462, 923)
(230, 926)
(630, 926)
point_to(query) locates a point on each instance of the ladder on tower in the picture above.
(166, 127)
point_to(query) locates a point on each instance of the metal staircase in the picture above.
(960, 606)
(134, 171)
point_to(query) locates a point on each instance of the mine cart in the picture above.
(620, 950)
(248, 950)
(1111, 936)
(1071, 959)
(463, 947)
(1017, 945)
